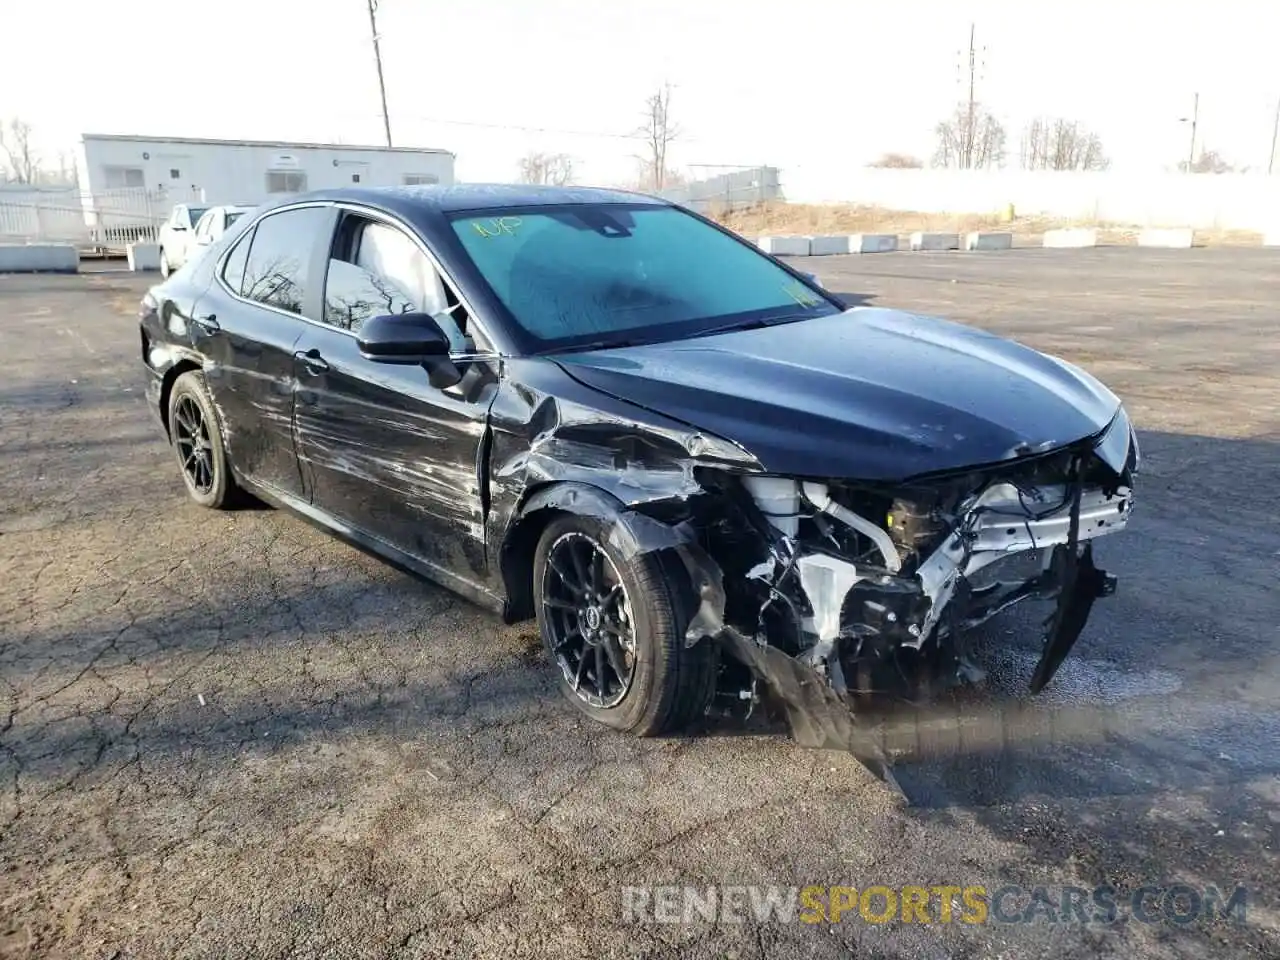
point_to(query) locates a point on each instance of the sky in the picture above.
(786, 84)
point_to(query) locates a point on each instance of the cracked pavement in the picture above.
(230, 735)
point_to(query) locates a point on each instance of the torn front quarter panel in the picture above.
(557, 445)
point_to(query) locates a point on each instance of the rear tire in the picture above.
(653, 684)
(197, 442)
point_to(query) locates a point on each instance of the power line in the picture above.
(521, 128)
(1275, 129)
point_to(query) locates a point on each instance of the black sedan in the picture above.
(705, 476)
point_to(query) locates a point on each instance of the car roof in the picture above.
(480, 196)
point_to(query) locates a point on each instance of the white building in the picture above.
(128, 185)
(246, 171)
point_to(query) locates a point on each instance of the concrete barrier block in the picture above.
(143, 256)
(785, 246)
(1071, 237)
(823, 246)
(935, 241)
(38, 258)
(1176, 238)
(873, 242)
(988, 241)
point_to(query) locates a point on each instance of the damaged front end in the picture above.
(871, 587)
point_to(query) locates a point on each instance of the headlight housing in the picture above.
(706, 446)
(1118, 446)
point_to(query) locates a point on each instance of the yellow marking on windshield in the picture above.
(498, 226)
(801, 294)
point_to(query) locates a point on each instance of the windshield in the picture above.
(611, 273)
(195, 213)
(233, 217)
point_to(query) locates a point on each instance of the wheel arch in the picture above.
(539, 507)
(185, 365)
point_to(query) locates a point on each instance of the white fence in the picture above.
(1204, 201)
(106, 220)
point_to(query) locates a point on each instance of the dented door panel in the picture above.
(250, 371)
(391, 455)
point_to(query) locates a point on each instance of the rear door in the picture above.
(386, 452)
(248, 325)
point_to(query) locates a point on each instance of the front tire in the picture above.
(614, 627)
(197, 443)
(165, 269)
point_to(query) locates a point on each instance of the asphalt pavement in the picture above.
(229, 735)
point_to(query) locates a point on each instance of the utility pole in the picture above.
(377, 57)
(970, 135)
(1275, 128)
(1195, 118)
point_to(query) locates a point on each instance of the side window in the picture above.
(233, 269)
(276, 271)
(376, 269)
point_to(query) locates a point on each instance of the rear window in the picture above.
(278, 270)
(611, 272)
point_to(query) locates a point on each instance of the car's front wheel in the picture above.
(165, 269)
(614, 627)
(197, 442)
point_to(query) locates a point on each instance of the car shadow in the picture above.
(853, 299)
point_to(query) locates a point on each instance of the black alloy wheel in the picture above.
(614, 624)
(197, 443)
(588, 613)
(195, 449)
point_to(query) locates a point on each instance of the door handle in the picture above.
(312, 360)
(209, 324)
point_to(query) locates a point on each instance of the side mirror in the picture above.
(179, 227)
(410, 338)
(813, 278)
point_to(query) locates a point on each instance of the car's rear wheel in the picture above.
(614, 627)
(197, 442)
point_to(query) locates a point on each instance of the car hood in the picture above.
(870, 393)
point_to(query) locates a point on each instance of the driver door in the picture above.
(386, 452)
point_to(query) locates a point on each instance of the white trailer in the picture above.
(128, 184)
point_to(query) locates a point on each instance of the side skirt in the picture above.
(476, 593)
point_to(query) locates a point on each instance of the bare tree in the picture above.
(1209, 161)
(657, 131)
(897, 161)
(551, 168)
(1054, 143)
(15, 140)
(970, 139)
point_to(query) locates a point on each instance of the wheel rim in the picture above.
(195, 450)
(588, 615)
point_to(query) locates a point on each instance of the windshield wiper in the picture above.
(759, 324)
(599, 345)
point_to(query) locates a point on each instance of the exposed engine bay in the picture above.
(874, 587)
